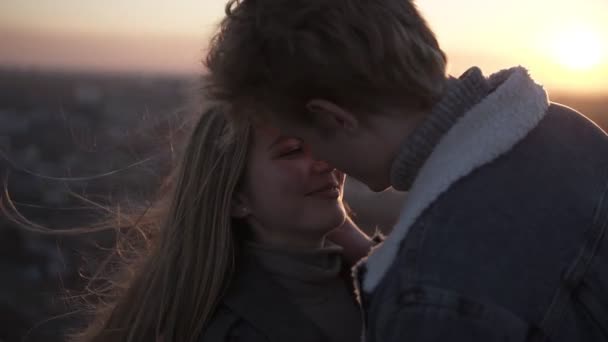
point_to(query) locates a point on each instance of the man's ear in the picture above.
(239, 208)
(330, 116)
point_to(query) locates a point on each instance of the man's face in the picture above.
(360, 151)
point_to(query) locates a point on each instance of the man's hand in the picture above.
(356, 243)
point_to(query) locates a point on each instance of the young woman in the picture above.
(242, 251)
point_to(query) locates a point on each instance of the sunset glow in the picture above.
(578, 48)
(565, 47)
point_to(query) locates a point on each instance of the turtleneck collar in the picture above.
(312, 265)
(313, 281)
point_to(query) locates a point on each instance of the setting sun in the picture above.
(578, 49)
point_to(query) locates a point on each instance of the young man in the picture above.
(503, 236)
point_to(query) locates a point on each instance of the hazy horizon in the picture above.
(563, 45)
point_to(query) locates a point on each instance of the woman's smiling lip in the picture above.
(329, 190)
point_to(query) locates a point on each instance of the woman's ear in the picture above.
(240, 208)
(330, 116)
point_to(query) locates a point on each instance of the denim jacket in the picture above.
(504, 234)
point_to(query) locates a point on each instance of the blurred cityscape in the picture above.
(107, 138)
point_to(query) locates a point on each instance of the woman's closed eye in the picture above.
(291, 151)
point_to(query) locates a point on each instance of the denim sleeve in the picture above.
(427, 314)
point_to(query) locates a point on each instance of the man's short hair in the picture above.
(275, 55)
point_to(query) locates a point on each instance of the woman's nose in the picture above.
(321, 166)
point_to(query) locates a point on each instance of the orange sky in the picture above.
(563, 43)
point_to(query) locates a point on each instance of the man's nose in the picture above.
(321, 166)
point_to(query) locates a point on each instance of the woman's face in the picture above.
(288, 197)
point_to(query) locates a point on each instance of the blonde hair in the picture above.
(179, 255)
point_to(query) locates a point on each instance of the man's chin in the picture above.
(378, 186)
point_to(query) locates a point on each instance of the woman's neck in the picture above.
(291, 242)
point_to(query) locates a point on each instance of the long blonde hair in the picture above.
(175, 279)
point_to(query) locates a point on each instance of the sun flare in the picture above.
(578, 48)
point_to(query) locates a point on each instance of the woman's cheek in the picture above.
(292, 178)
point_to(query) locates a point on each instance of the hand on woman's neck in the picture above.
(356, 244)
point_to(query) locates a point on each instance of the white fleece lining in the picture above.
(488, 130)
